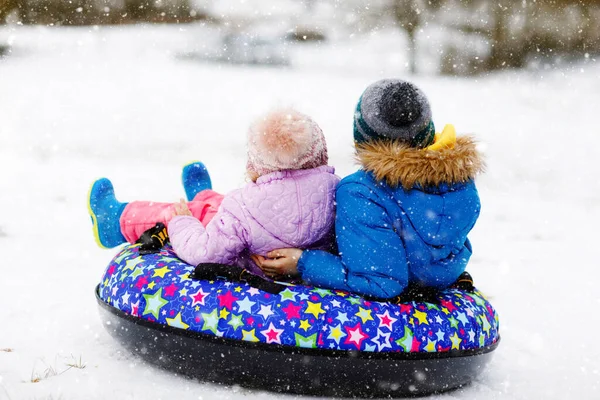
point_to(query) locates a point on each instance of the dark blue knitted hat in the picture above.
(392, 109)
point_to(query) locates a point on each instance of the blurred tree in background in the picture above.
(506, 33)
(160, 10)
(518, 31)
(476, 35)
(7, 6)
(407, 14)
(98, 12)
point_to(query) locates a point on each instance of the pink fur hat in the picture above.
(285, 139)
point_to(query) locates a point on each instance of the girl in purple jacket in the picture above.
(289, 203)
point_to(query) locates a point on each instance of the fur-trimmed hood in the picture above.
(398, 164)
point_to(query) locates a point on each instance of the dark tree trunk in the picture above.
(408, 18)
(412, 38)
(6, 7)
(500, 54)
(586, 41)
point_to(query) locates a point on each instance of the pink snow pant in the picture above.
(139, 216)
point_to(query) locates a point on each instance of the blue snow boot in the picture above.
(195, 178)
(105, 211)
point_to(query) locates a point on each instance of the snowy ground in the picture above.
(77, 104)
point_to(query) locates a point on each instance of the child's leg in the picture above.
(205, 205)
(139, 216)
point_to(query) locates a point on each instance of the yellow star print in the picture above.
(455, 341)
(304, 324)
(430, 345)
(223, 314)
(314, 309)
(364, 314)
(249, 336)
(486, 324)
(422, 317)
(161, 271)
(177, 322)
(336, 333)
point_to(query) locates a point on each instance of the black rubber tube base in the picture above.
(293, 370)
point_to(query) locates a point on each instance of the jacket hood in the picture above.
(441, 219)
(401, 165)
(290, 208)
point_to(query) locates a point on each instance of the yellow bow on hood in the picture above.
(444, 140)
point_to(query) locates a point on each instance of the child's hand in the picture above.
(181, 208)
(282, 262)
(258, 260)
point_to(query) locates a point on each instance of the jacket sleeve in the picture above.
(223, 239)
(372, 258)
(442, 273)
(450, 257)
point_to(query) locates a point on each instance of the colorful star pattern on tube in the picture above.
(272, 334)
(176, 322)
(158, 288)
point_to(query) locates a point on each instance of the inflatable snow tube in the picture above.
(301, 340)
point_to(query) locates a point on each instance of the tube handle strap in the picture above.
(214, 271)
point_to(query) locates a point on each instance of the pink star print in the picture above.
(292, 311)
(226, 300)
(355, 335)
(272, 334)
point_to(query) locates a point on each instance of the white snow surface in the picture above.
(78, 104)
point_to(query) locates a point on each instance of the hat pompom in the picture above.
(400, 104)
(284, 139)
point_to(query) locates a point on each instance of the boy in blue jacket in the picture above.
(403, 218)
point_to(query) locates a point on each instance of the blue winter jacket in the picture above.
(389, 236)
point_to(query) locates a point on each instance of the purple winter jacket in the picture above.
(291, 208)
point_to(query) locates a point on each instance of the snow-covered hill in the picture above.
(77, 104)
